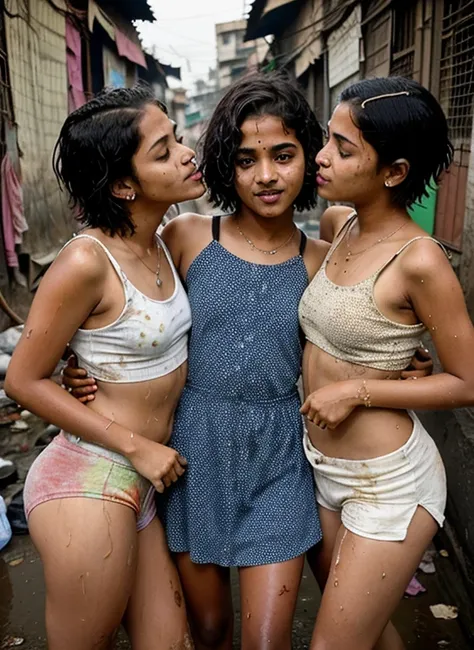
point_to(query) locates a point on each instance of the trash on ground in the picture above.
(447, 612)
(427, 563)
(414, 587)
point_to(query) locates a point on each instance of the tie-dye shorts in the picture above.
(71, 467)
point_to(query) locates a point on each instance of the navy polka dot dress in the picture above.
(247, 497)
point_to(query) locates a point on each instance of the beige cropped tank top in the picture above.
(345, 321)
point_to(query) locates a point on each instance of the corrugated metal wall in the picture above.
(37, 62)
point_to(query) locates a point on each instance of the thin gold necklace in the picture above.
(156, 273)
(261, 250)
(350, 254)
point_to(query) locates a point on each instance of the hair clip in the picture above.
(372, 99)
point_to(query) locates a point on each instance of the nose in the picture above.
(188, 155)
(322, 158)
(265, 172)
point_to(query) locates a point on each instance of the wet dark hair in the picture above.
(409, 126)
(95, 148)
(260, 94)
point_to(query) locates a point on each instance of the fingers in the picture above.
(72, 361)
(159, 486)
(422, 354)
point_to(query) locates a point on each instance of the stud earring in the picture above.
(131, 197)
(388, 184)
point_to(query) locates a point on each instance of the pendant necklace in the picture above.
(261, 250)
(156, 273)
(350, 254)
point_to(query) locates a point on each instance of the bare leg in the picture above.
(366, 582)
(88, 550)
(268, 596)
(209, 602)
(320, 560)
(156, 613)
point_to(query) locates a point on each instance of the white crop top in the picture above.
(148, 340)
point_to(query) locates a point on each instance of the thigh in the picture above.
(319, 557)
(156, 613)
(268, 597)
(367, 580)
(88, 551)
(209, 602)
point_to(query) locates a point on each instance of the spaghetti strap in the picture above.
(216, 227)
(340, 235)
(405, 245)
(303, 242)
(112, 259)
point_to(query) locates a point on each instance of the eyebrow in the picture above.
(164, 138)
(275, 148)
(341, 138)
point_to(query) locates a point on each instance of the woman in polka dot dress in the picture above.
(248, 500)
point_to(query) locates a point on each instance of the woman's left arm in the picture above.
(437, 298)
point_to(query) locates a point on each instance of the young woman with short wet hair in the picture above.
(380, 480)
(114, 295)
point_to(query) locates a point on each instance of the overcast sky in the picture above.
(184, 32)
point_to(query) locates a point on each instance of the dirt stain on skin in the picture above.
(178, 599)
(284, 590)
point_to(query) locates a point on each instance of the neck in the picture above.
(375, 216)
(146, 220)
(265, 228)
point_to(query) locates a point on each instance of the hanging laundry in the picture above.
(14, 222)
(76, 95)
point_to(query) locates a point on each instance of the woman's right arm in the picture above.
(70, 291)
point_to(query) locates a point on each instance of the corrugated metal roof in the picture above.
(264, 20)
(131, 9)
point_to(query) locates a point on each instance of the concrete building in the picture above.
(235, 56)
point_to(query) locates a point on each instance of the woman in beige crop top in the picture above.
(90, 494)
(380, 480)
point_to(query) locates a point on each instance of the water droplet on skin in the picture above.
(336, 582)
(341, 608)
(455, 336)
(398, 426)
(384, 575)
(421, 281)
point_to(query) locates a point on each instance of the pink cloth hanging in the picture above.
(14, 222)
(76, 95)
(129, 49)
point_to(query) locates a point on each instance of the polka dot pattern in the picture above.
(247, 497)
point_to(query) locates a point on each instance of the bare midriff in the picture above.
(146, 407)
(367, 432)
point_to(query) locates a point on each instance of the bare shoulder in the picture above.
(176, 232)
(315, 252)
(83, 260)
(425, 258)
(332, 221)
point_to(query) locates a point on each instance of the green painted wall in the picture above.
(423, 213)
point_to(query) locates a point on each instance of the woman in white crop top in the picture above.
(114, 295)
(380, 480)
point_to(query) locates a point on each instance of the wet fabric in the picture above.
(247, 497)
(70, 467)
(378, 497)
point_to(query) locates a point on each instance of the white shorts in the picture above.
(378, 497)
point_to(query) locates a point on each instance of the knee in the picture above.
(212, 631)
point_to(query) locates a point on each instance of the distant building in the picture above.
(234, 56)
